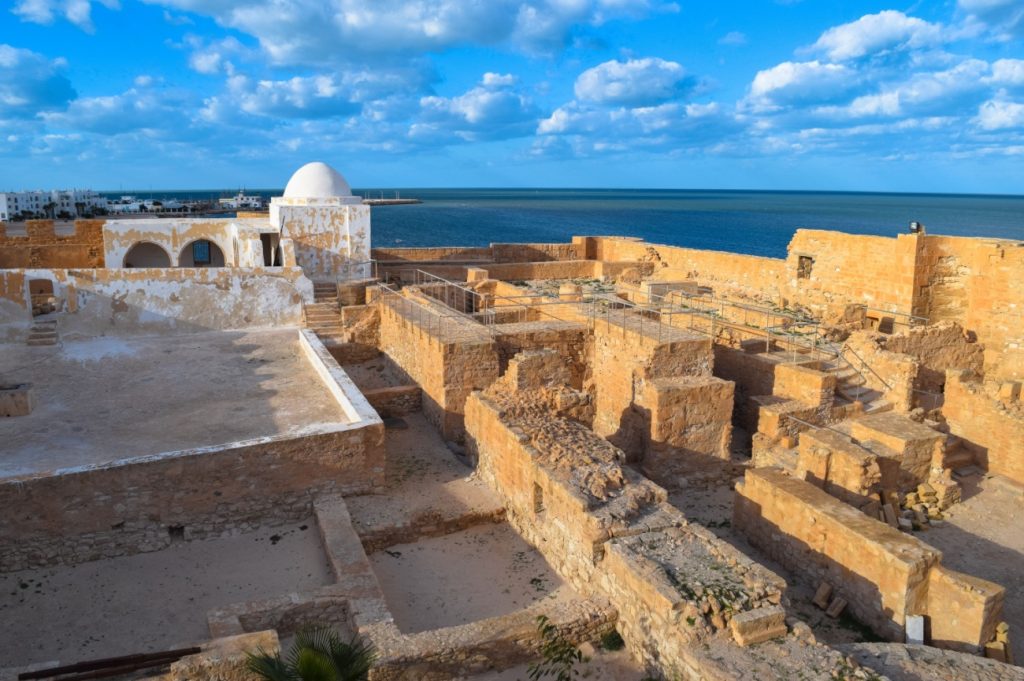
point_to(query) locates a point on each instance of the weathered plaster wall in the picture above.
(237, 239)
(330, 240)
(992, 429)
(43, 247)
(154, 301)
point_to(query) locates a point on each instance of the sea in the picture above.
(752, 222)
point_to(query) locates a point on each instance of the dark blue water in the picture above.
(757, 223)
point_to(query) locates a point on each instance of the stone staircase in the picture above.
(852, 386)
(43, 332)
(323, 316)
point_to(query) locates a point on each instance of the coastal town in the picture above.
(603, 457)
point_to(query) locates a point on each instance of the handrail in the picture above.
(846, 346)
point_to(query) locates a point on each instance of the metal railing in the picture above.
(911, 320)
(353, 271)
(426, 318)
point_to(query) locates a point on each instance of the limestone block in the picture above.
(760, 624)
(915, 629)
(16, 400)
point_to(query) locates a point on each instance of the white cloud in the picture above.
(78, 12)
(31, 83)
(875, 34)
(800, 83)
(139, 108)
(634, 82)
(315, 32)
(215, 56)
(1007, 72)
(733, 38)
(997, 114)
(1004, 18)
(494, 109)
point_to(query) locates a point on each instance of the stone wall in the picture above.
(992, 429)
(884, 574)
(977, 282)
(144, 504)
(843, 468)
(849, 268)
(97, 302)
(937, 348)
(448, 362)
(42, 247)
(609, 532)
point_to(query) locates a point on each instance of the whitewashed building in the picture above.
(58, 203)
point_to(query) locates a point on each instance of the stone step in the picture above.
(320, 307)
(323, 316)
(41, 341)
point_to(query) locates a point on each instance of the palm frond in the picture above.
(269, 667)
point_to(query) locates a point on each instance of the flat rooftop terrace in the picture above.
(109, 399)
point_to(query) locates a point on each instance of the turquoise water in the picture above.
(757, 223)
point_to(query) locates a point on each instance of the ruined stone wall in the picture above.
(850, 268)
(447, 365)
(991, 428)
(568, 339)
(623, 359)
(110, 510)
(731, 275)
(977, 282)
(536, 252)
(937, 348)
(395, 401)
(43, 247)
(890, 373)
(842, 468)
(884, 574)
(154, 301)
(965, 610)
(456, 253)
(675, 586)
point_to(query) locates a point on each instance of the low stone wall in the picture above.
(844, 469)
(143, 505)
(900, 662)
(884, 574)
(991, 429)
(495, 643)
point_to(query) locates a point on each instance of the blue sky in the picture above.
(790, 94)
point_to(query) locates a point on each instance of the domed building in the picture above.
(329, 227)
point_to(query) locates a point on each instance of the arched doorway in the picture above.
(201, 253)
(146, 254)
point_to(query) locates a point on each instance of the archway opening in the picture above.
(145, 254)
(201, 253)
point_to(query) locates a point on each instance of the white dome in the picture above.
(317, 181)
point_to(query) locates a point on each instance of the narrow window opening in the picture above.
(538, 499)
(804, 266)
(176, 533)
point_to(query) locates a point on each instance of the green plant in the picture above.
(317, 654)
(612, 641)
(560, 655)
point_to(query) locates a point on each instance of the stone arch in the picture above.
(146, 254)
(216, 254)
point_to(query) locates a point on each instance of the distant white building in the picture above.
(133, 204)
(243, 201)
(57, 204)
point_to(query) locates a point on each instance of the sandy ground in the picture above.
(482, 572)
(425, 483)
(379, 372)
(151, 601)
(108, 399)
(600, 666)
(984, 536)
